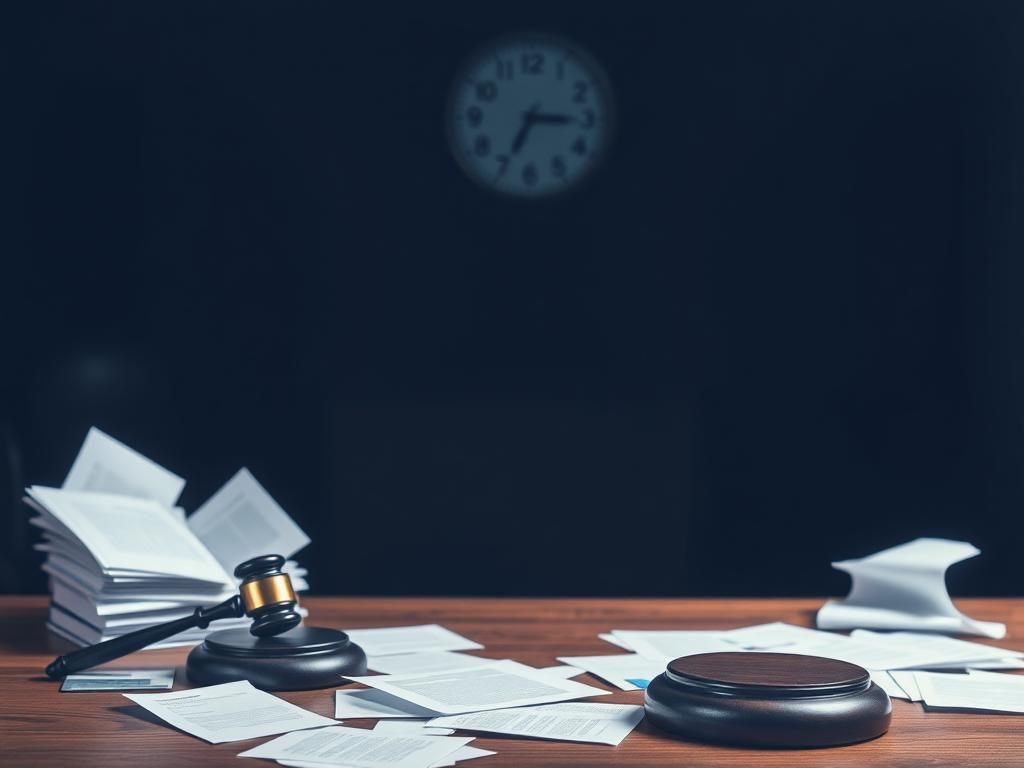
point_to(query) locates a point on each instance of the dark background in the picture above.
(782, 325)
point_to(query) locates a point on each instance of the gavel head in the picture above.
(267, 595)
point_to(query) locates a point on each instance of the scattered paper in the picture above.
(391, 641)
(989, 691)
(905, 588)
(460, 754)
(104, 465)
(412, 727)
(228, 712)
(949, 652)
(371, 703)
(119, 680)
(596, 723)
(500, 685)
(665, 645)
(358, 748)
(885, 681)
(625, 671)
(762, 637)
(608, 637)
(242, 520)
(905, 680)
(562, 671)
(434, 661)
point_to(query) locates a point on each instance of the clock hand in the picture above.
(550, 119)
(529, 118)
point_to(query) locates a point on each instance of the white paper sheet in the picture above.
(620, 669)
(665, 645)
(411, 727)
(500, 685)
(460, 754)
(989, 691)
(905, 680)
(594, 723)
(423, 638)
(371, 703)
(120, 680)
(608, 637)
(359, 748)
(105, 465)
(777, 634)
(562, 671)
(905, 588)
(434, 661)
(885, 681)
(132, 534)
(950, 653)
(228, 712)
(242, 520)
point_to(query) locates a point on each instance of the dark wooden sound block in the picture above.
(299, 659)
(767, 700)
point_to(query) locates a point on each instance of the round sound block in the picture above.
(767, 700)
(301, 658)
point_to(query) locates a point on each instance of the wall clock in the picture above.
(530, 116)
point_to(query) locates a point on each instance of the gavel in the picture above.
(265, 595)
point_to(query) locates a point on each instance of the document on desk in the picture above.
(625, 671)
(228, 712)
(105, 465)
(500, 685)
(664, 645)
(371, 703)
(412, 727)
(594, 723)
(904, 587)
(358, 748)
(432, 661)
(392, 641)
(242, 520)
(989, 691)
(946, 652)
(119, 680)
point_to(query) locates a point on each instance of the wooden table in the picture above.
(41, 727)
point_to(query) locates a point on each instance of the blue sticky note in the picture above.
(639, 683)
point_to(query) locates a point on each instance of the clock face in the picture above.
(530, 117)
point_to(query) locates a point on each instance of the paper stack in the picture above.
(121, 556)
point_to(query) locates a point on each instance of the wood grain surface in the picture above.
(40, 726)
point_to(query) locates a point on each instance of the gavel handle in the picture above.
(109, 650)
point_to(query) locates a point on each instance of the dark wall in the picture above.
(781, 326)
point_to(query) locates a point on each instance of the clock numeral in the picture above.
(532, 63)
(530, 175)
(579, 91)
(503, 160)
(482, 146)
(506, 69)
(588, 119)
(486, 91)
(558, 168)
(579, 146)
(475, 116)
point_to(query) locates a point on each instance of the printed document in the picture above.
(664, 645)
(412, 727)
(242, 520)
(391, 641)
(125, 533)
(371, 703)
(433, 661)
(228, 712)
(460, 754)
(904, 587)
(358, 748)
(628, 671)
(989, 691)
(494, 686)
(595, 723)
(104, 465)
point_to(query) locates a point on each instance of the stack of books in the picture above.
(120, 556)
